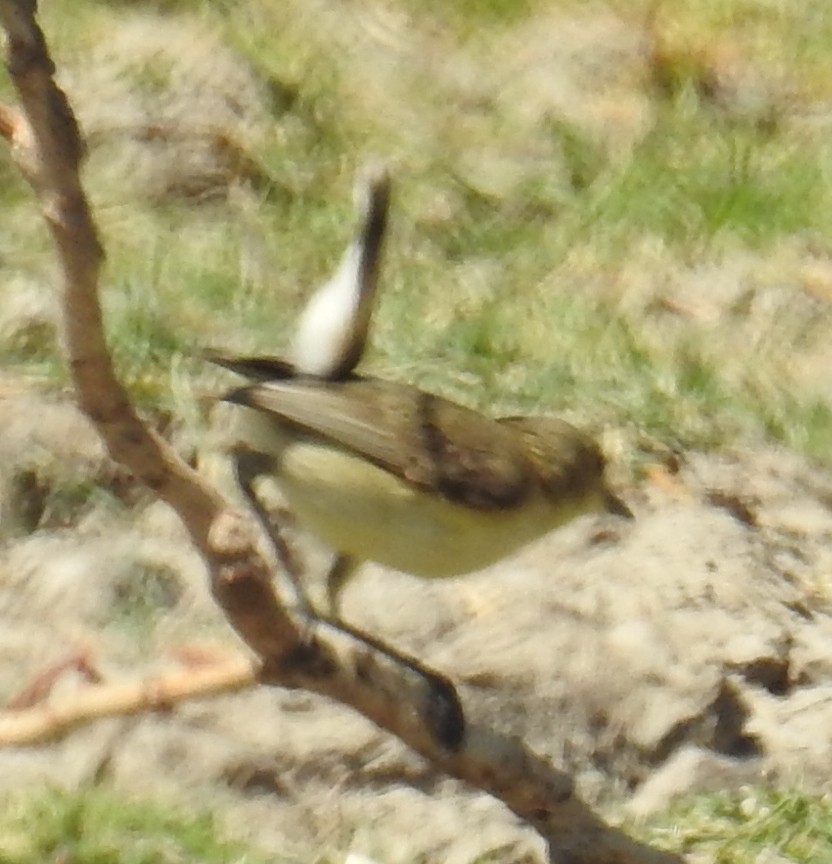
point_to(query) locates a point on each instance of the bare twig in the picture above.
(38, 690)
(47, 721)
(325, 659)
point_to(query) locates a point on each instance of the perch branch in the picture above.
(320, 657)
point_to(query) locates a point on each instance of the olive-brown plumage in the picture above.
(386, 472)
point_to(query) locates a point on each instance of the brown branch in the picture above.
(392, 691)
(47, 721)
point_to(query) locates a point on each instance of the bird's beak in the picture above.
(616, 506)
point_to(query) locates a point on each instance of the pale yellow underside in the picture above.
(368, 513)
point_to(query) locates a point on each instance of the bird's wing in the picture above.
(261, 368)
(435, 444)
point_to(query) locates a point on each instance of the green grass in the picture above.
(97, 826)
(735, 828)
(141, 594)
(529, 249)
(696, 177)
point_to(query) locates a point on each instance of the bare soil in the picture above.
(688, 650)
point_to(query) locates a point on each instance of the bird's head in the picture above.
(568, 463)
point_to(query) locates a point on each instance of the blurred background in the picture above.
(615, 211)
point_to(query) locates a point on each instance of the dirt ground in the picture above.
(687, 650)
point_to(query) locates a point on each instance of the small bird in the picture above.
(383, 471)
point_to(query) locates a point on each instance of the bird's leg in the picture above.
(444, 713)
(341, 571)
(248, 466)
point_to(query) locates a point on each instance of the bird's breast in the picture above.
(368, 513)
